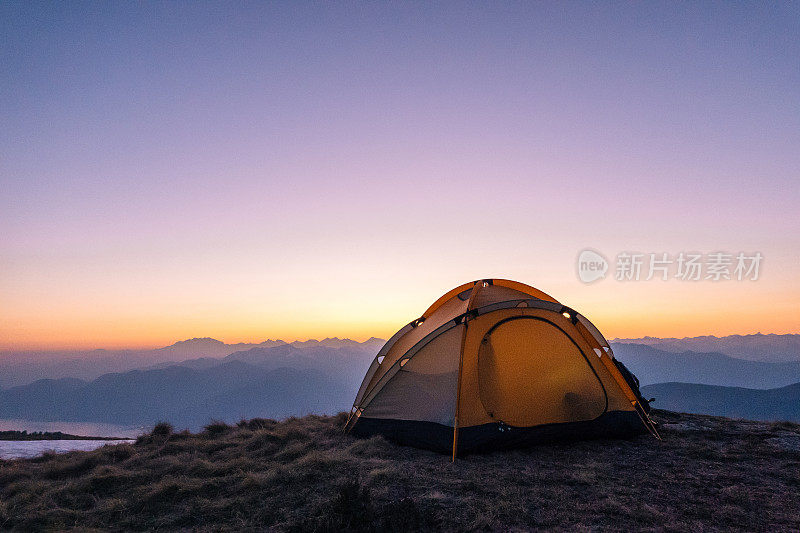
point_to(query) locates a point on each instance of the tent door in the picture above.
(531, 372)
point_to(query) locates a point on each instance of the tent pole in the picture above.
(458, 390)
(476, 287)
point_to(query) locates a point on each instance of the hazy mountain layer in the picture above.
(657, 366)
(277, 379)
(20, 368)
(758, 347)
(733, 402)
(187, 397)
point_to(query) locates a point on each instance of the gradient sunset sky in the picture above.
(258, 170)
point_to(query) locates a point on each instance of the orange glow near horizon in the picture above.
(637, 309)
(78, 341)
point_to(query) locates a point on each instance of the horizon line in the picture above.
(148, 347)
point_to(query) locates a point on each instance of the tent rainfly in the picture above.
(497, 364)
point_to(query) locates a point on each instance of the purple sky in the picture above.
(288, 169)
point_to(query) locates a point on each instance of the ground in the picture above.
(303, 474)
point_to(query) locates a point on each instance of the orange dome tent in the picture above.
(497, 364)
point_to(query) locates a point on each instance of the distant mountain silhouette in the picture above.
(346, 364)
(206, 347)
(272, 379)
(20, 368)
(652, 365)
(758, 347)
(185, 396)
(204, 379)
(319, 357)
(734, 402)
(372, 344)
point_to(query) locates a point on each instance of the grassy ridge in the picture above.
(304, 474)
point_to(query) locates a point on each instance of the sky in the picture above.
(301, 170)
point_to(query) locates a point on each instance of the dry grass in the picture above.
(304, 474)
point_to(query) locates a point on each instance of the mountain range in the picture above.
(757, 347)
(193, 382)
(22, 367)
(187, 397)
(734, 402)
(278, 381)
(652, 365)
